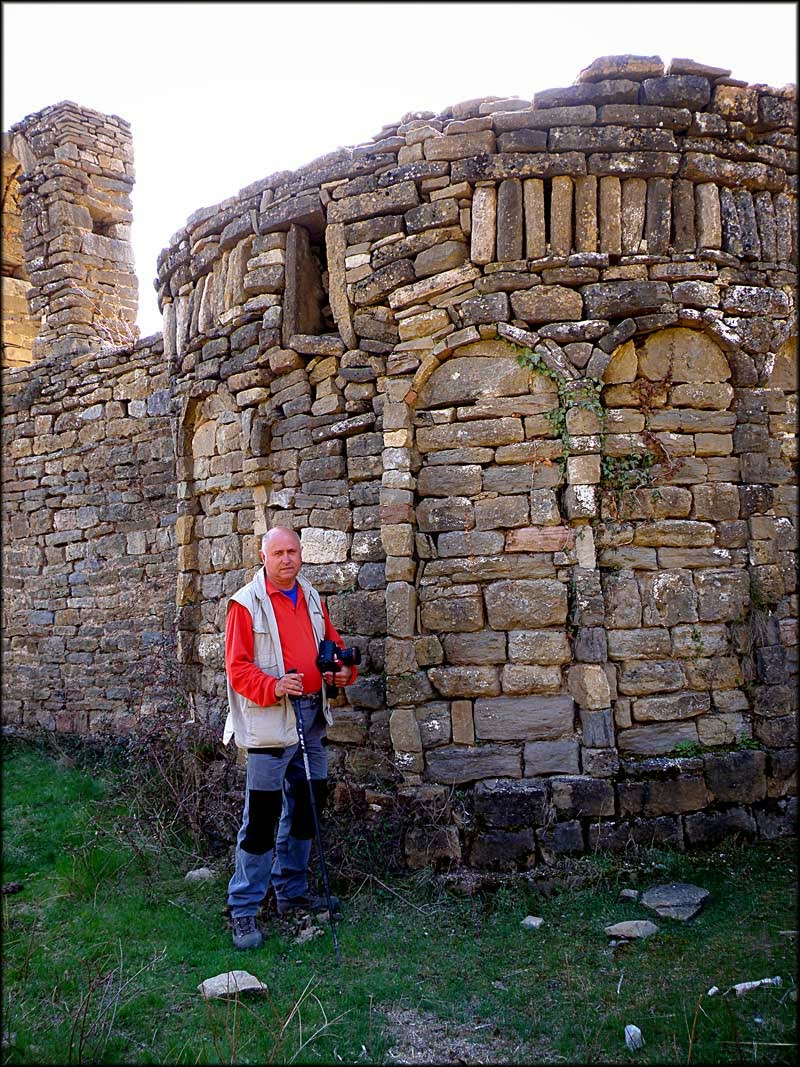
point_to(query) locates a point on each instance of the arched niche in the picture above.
(484, 674)
(673, 559)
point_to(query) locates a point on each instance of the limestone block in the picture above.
(622, 366)
(470, 543)
(449, 480)
(656, 739)
(551, 757)
(483, 647)
(485, 371)
(525, 604)
(460, 611)
(526, 718)
(525, 678)
(502, 803)
(722, 596)
(456, 765)
(719, 673)
(586, 214)
(547, 303)
(437, 515)
(430, 287)
(502, 513)
(658, 796)
(484, 224)
(539, 646)
(489, 433)
(439, 257)
(401, 607)
(577, 796)
(649, 643)
(588, 685)
(716, 501)
(597, 728)
(461, 682)
(434, 724)
(509, 220)
(324, 546)
(633, 199)
(687, 355)
(561, 215)
(463, 728)
(404, 730)
(459, 145)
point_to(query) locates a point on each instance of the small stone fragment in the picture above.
(199, 874)
(230, 983)
(678, 900)
(531, 922)
(634, 928)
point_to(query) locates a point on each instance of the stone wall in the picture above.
(67, 176)
(523, 377)
(88, 539)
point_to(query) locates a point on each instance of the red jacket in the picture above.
(298, 646)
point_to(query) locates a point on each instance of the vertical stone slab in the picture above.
(745, 209)
(707, 216)
(484, 224)
(683, 216)
(463, 725)
(634, 193)
(731, 230)
(611, 215)
(783, 227)
(302, 312)
(335, 247)
(561, 216)
(509, 220)
(658, 215)
(533, 200)
(765, 220)
(586, 214)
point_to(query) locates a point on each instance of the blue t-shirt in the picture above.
(291, 593)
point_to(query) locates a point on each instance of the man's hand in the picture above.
(341, 678)
(289, 685)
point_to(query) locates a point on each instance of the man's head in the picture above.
(281, 555)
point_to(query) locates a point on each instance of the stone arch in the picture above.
(673, 561)
(487, 538)
(212, 554)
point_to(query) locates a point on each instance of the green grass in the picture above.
(106, 944)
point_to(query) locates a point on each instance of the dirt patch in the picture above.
(421, 1037)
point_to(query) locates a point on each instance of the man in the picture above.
(272, 633)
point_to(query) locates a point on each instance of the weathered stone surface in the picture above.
(578, 796)
(525, 604)
(551, 757)
(547, 303)
(677, 900)
(632, 929)
(455, 765)
(531, 718)
(507, 804)
(617, 299)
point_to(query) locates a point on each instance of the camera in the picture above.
(330, 658)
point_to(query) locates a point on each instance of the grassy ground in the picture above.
(106, 943)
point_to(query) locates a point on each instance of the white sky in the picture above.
(219, 95)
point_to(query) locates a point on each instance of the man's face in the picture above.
(282, 559)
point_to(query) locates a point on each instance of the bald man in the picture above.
(272, 632)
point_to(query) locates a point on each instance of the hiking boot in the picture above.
(245, 932)
(307, 903)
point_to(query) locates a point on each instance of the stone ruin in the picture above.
(522, 375)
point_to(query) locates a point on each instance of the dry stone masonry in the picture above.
(523, 376)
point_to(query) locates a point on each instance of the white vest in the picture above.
(252, 725)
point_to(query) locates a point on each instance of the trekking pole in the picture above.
(301, 733)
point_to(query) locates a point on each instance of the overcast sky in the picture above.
(219, 95)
